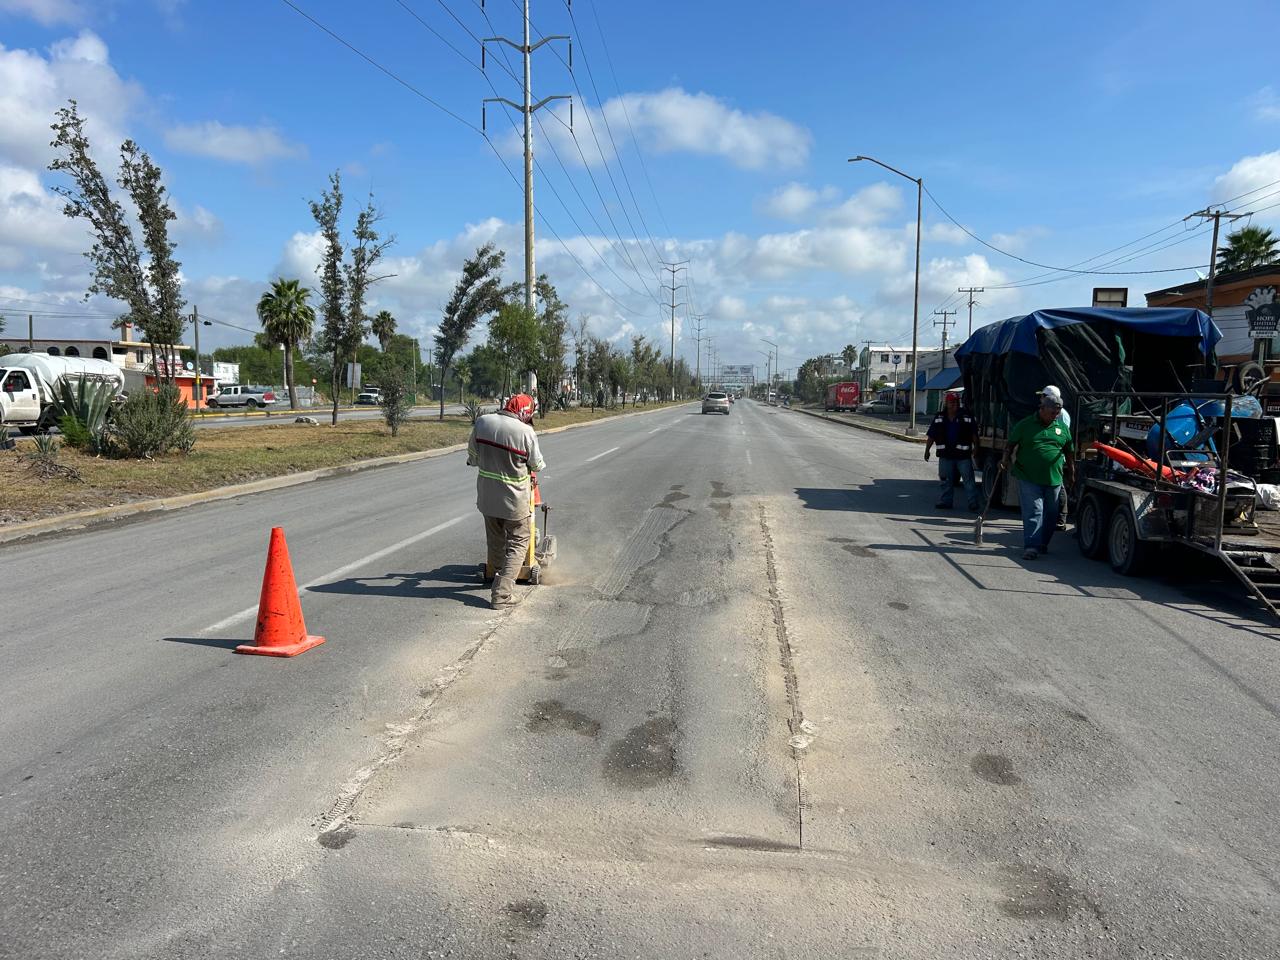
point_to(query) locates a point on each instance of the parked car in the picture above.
(239, 395)
(876, 406)
(367, 400)
(715, 402)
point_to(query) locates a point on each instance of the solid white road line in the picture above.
(656, 429)
(599, 455)
(341, 571)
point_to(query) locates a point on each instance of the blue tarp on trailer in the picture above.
(1018, 334)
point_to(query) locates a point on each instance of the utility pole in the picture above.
(528, 108)
(971, 291)
(698, 360)
(945, 322)
(1208, 213)
(31, 333)
(195, 326)
(866, 371)
(673, 269)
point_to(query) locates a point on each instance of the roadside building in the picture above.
(1245, 308)
(132, 356)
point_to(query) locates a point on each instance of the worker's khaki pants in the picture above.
(508, 542)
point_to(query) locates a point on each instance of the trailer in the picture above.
(843, 396)
(1005, 364)
(1133, 504)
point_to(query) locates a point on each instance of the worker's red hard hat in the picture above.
(522, 406)
(951, 395)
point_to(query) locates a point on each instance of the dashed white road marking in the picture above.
(341, 571)
(604, 454)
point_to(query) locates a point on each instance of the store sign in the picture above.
(1263, 313)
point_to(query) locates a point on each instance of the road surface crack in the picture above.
(801, 730)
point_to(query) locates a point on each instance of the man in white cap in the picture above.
(1053, 394)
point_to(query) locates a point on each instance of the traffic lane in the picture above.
(614, 765)
(234, 734)
(1092, 749)
(200, 568)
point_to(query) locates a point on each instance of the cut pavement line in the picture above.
(342, 571)
(605, 454)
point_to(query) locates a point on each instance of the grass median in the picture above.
(228, 456)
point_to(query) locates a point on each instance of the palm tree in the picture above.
(1247, 248)
(384, 328)
(287, 319)
(850, 357)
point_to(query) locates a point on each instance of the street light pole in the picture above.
(770, 368)
(915, 308)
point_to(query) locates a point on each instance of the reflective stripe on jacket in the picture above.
(505, 450)
(966, 433)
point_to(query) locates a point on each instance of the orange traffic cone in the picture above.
(280, 631)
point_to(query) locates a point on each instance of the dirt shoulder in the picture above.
(227, 456)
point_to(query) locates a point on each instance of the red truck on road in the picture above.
(843, 396)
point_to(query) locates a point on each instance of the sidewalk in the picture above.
(889, 425)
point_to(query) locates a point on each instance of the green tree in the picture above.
(287, 319)
(152, 289)
(485, 369)
(383, 326)
(850, 356)
(394, 397)
(1247, 248)
(547, 359)
(514, 332)
(462, 373)
(345, 282)
(478, 293)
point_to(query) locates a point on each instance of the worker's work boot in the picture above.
(503, 592)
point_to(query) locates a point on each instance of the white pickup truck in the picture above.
(28, 382)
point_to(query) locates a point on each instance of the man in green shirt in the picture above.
(1039, 455)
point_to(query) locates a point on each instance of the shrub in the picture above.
(83, 406)
(151, 423)
(472, 410)
(394, 399)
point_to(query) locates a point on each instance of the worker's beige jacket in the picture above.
(505, 450)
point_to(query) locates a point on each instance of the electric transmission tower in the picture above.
(528, 108)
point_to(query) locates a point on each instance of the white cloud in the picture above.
(32, 87)
(795, 201)
(1249, 175)
(1266, 105)
(872, 204)
(676, 121)
(47, 12)
(234, 144)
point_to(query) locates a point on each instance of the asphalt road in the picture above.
(769, 704)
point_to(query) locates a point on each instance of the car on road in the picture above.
(367, 400)
(876, 406)
(240, 395)
(715, 402)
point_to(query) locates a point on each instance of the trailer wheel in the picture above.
(1128, 554)
(1091, 526)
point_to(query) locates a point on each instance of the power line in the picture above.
(622, 102)
(586, 166)
(1033, 263)
(470, 126)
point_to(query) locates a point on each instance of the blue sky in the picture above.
(1055, 134)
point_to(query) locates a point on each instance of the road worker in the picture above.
(505, 448)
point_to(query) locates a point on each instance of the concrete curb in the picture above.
(90, 518)
(883, 431)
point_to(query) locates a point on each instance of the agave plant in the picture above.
(86, 402)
